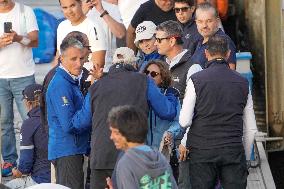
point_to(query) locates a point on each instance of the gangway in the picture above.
(260, 176)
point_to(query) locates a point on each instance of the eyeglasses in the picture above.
(153, 74)
(159, 40)
(182, 9)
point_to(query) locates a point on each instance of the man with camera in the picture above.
(18, 35)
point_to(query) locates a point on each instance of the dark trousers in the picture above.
(183, 179)
(98, 178)
(227, 164)
(69, 171)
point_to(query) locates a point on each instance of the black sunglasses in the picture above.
(182, 9)
(159, 40)
(153, 74)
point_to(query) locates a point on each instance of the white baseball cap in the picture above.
(145, 30)
(124, 55)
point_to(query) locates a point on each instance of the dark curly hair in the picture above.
(164, 72)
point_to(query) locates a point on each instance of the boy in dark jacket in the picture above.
(34, 168)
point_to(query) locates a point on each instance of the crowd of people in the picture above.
(167, 111)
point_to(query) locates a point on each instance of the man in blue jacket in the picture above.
(66, 146)
(121, 86)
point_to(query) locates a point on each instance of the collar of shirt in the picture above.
(76, 78)
(176, 59)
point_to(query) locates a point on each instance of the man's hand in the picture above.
(182, 152)
(16, 173)
(15, 36)
(109, 183)
(96, 72)
(98, 5)
(87, 6)
(5, 40)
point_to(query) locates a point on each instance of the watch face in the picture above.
(25, 41)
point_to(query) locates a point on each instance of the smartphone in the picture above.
(7, 27)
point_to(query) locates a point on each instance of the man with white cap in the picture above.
(145, 41)
(121, 86)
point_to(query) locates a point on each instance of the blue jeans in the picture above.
(11, 89)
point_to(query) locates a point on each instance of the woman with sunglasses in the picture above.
(160, 129)
(145, 40)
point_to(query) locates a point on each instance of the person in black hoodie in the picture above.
(185, 13)
(140, 166)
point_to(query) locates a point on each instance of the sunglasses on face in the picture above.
(153, 74)
(159, 40)
(182, 9)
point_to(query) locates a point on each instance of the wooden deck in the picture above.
(261, 177)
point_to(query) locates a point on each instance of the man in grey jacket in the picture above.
(140, 166)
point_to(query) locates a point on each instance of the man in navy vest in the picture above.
(218, 108)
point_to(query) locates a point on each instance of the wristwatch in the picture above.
(104, 13)
(25, 41)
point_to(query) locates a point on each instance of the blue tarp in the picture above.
(46, 49)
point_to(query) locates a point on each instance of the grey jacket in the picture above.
(142, 167)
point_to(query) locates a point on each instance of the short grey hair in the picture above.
(171, 28)
(70, 42)
(207, 6)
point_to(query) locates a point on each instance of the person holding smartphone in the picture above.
(17, 37)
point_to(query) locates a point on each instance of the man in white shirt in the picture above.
(107, 15)
(218, 108)
(16, 70)
(77, 21)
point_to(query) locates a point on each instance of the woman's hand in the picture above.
(168, 138)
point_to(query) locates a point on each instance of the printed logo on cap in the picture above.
(141, 29)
